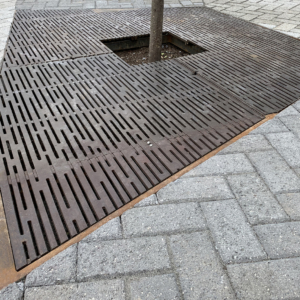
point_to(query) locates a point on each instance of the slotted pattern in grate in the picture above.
(82, 133)
(73, 153)
(244, 61)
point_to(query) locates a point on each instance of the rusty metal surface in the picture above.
(82, 133)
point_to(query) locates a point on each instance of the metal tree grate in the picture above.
(82, 133)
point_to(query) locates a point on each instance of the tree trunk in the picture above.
(156, 30)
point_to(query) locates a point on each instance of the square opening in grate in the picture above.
(135, 50)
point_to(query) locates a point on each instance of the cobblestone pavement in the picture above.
(281, 15)
(228, 229)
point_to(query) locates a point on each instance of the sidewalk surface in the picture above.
(228, 229)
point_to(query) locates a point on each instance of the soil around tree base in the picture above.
(141, 55)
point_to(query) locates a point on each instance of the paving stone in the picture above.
(157, 287)
(61, 268)
(276, 279)
(287, 6)
(201, 188)
(248, 143)
(233, 8)
(222, 165)
(220, 7)
(297, 170)
(268, 26)
(248, 17)
(13, 291)
(61, 7)
(89, 5)
(65, 2)
(275, 171)
(109, 231)
(290, 111)
(253, 7)
(291, 204)
(259, 21)
(99, 290)
(267, 17)
(38, 6)
(285, 27)
(120, 257)
(234, 238)
(186, 2)
(292, 123)
(272, 126)
(57, 292)
(52, 3)
(272, 6)
(151, 200)
(237, 14)
(288, 145)
(201, 274)
(297, 105)
(280, 240)
(257, 202)
(162, 219)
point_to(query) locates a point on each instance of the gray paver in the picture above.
(151, 200)
(297, 105)
(291, 204)
(200, 273)
(272, 126)
(199, 188)
(122, 257)
(38, 6)
(286, 27)
(280, 240)
(277, 279)
(99, 290)
(275, 171)
(293, 123)
(234, 238)
(222, 165)
(288, 145)
(13, 291)
(57, 292)
(61, 268)
(109, 231)
(248, 143)
(153, 288)
(257, 202)
(160, 219)
(290, 111)
(89, 5)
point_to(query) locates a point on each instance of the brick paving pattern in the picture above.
(228, 229)
(281, 15)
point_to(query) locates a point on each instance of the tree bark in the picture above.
(156, 30)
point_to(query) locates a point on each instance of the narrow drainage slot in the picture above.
(135, 50)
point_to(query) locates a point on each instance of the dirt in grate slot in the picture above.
(141, 55)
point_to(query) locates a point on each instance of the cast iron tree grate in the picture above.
(82, 133)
